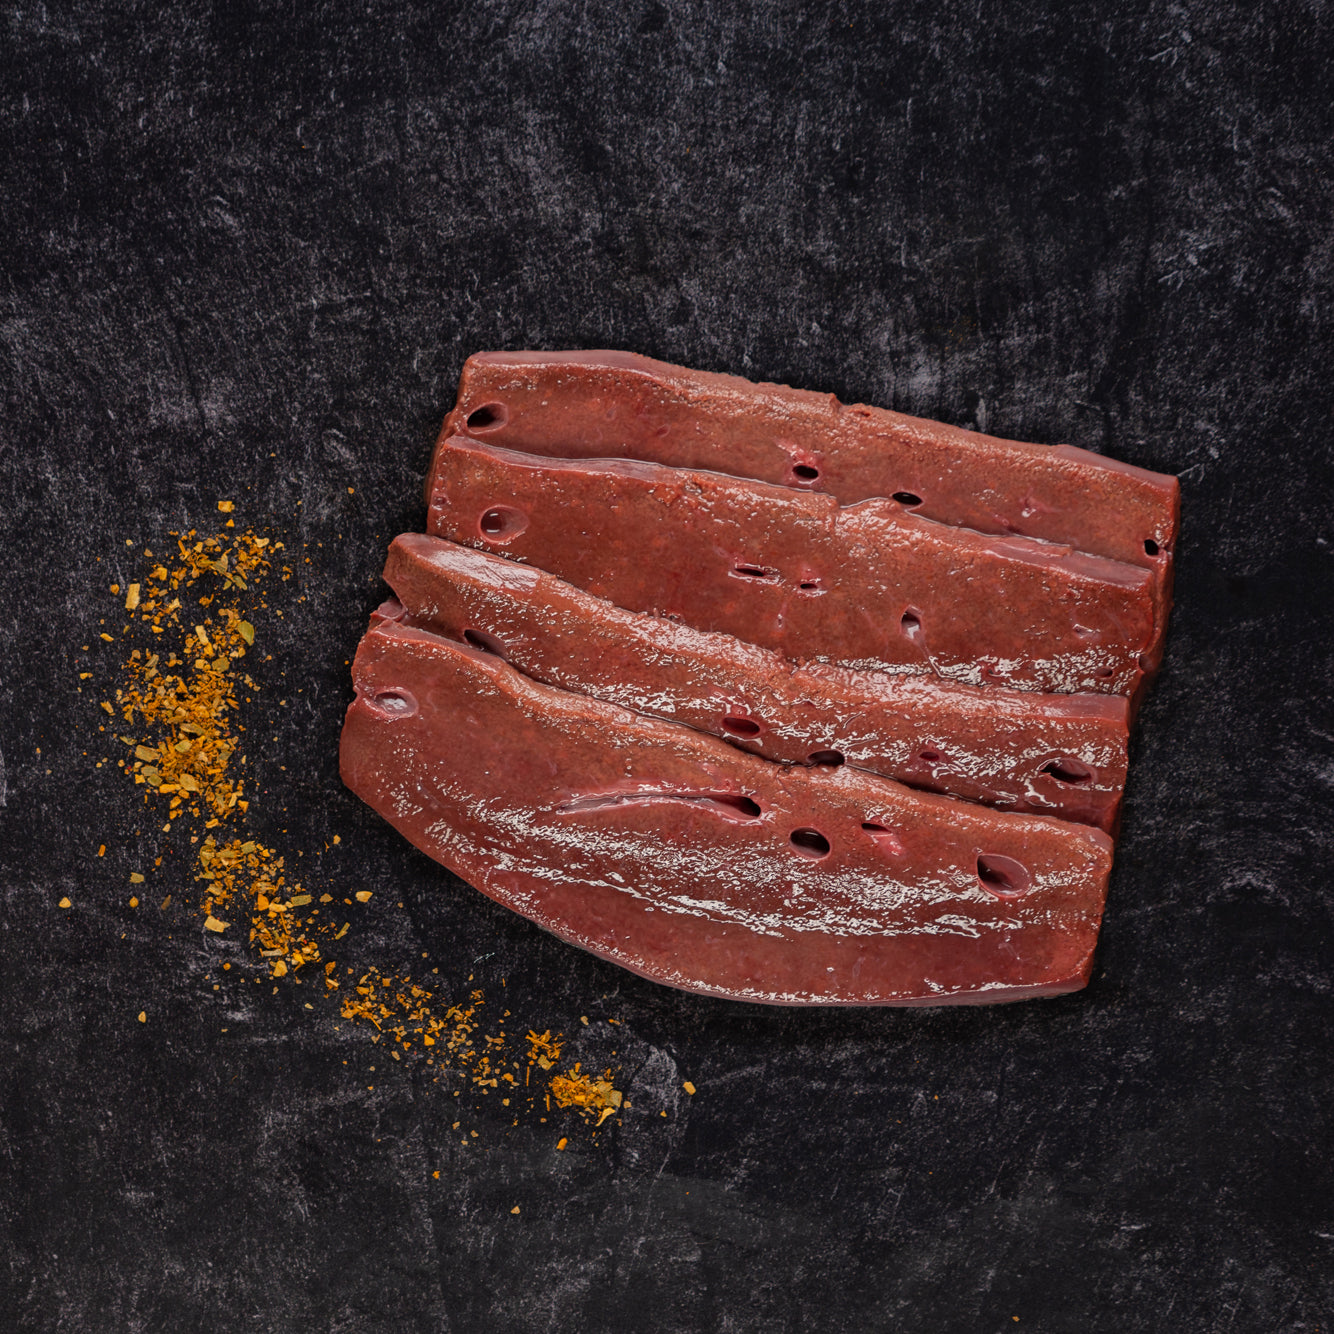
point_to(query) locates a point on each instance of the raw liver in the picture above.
(866, 586)
(639, 840)
(617, 405)
(988, 745)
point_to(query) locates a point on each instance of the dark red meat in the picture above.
(617, 405)
(686, 860)
(1060, 754)
(866, 586)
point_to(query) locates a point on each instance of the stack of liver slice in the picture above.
(764, 696)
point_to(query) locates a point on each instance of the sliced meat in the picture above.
(1058, 754)
(618, 405)
(694, 864)
(866, 586)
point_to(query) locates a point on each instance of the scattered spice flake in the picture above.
(362, 896)
(226, 506)
(136, 878)
(65, 903)
(143, 1016)
(596, 1099)
(132, 598)
(246, 873)
(561, 1143)
(212, 923)
(190, 698)
(689, 1088)
(543, 1051)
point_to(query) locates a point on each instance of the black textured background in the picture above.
(245, 251)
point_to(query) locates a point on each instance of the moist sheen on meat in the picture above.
(865, 586)
(1063, 755)
(679, 857)
(599, 404)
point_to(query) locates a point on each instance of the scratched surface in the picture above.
(246, 249)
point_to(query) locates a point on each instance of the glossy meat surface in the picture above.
(678, 856)
(867, 586)
(1063, 755)
(599, 404)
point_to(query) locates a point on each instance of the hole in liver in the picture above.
(910, 624)
(809, 585)
(884, 839)
(809, 843)
(1065, 769)
(930, 756)
(1003, 876)
(489, 417)
(501, 523)
(393, 703)
(754, 572)
(743, 806)
(834, 757)
(739, 726)
(805, 472)
(729, 805)
(487, 643)
(907, 498)
(1104, 673)
(1150, 547)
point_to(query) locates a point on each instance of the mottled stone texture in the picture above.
(246, 248)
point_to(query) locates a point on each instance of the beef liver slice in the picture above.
(1063, 755)
(618, 405)
(865, 586)
(685, 860)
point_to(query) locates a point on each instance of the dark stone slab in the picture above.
(246, 250)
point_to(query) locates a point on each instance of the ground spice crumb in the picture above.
(65, 903)
(515, 1210)
(134, 903)
(595, 1099)
(689, 1088)
(143, 1016)
(561, 1143)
